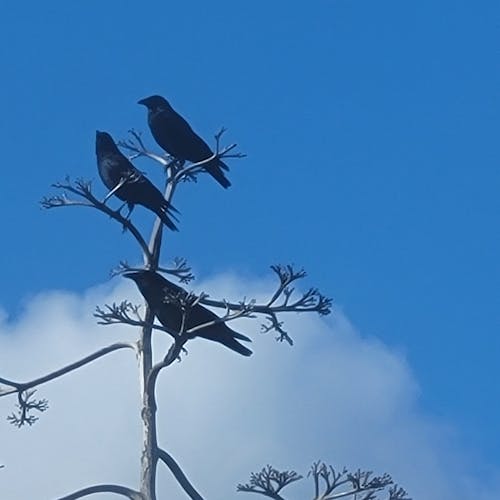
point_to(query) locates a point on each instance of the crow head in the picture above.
(104, 142)
(155, 102)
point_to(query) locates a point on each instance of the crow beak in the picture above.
(142, 101)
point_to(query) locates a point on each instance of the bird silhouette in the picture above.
(174, 134)
(160, 295)
(135, 189)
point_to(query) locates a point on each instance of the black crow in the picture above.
(135, 189)
(177, 138)
(160, 294)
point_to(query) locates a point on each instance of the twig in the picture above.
(26, 404)
(197, 167)
(82, 189)
(180, 269)
(310, 301)
(363, 486)
(178, 173)
(119, 314)
(136, 146)
(327, 481)
(269, 482)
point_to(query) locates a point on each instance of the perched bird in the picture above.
(178, 139)
(115, 168)
(160, 295)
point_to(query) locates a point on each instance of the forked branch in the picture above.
(26, 402)
(180, 269)
(328, 484)
(136, 146)
(220, 153)
(363, 485)
(82, 189)
(124, 313)
(269, 482)
(282, 301)
(180, 173)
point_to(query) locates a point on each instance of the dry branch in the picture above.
(328, 484)
(82, 189)
(269, 482)
(26, 403)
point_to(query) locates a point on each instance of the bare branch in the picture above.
(244, 311)
(178, 171)
(105, 488)
(174, 351)
(360, 484)
(275, 324)
(269, 482)
(180, 269)
(83, 189)
(121, 314)
(398, 493)
(137, 147)
(172, 354)
(310, 301)
(169, 461)
(26, 404)
(286, 275)
(196, 168)
(23, 386)
(328, 483)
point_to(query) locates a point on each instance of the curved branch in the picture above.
(104, 488)
(22, 386)
(169, 461)
(172, 354)
(83, 189)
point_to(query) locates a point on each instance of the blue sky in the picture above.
(369, 128)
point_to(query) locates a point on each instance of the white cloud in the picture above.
(335, 395)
